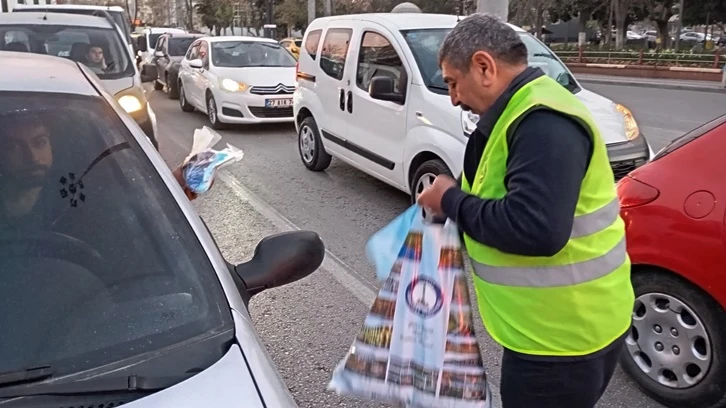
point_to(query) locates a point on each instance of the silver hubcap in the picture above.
(182, 100)
(307, 144)
(424, 182)
(212, 111)
(668, 341)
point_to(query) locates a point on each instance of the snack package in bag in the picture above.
(201, 165)
(417, 346)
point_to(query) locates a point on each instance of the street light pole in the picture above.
(328, 7)
(499, 8)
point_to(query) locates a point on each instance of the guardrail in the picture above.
(642, 58)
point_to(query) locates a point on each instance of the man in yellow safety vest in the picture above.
(540, 218)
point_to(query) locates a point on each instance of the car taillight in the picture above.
(634, 193)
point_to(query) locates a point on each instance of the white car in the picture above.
(71, 36)
(238, 80)
(113, 291)
(408, 132)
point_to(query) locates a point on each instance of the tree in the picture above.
(583, 10)
(704, 12)
(660, 12)
(293, 13)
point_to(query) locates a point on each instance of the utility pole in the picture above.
(679, 26)
(328, 7)
(311, 11)
(499, 8)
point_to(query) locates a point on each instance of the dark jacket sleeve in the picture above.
(548, 156)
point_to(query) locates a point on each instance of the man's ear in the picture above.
(483, 63)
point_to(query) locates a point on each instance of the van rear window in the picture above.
(311, 43)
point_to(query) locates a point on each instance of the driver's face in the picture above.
(25, 154)
(95, 55)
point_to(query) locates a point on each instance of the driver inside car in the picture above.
(25, 162)
(95, 59)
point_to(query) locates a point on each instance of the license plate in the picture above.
(278, 103)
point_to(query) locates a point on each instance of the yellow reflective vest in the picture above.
(579, 300)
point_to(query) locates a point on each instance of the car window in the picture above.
(312, 42)
(377, 57)
(285, 43)
(153, 38)
(102, 50)
(240, 54)
(298, 43)
(425, 44)
(99, 263)
(179, 46)
(160, 44)
(335, 51)
(194, 51)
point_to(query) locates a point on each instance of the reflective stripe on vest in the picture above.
(553, 276)
(595, 221)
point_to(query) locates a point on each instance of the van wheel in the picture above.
(675, 349)
(213, 114)
(425, 175)
(185, 105)
(310, 146)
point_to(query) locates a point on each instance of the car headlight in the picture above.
(468, 122)
(130, 103)
(231, 85)
(631, 126)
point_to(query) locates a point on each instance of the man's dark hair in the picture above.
(482, 32)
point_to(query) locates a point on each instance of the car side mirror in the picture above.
(159, 54)
(196, 63)
(383, 88)
(281, 259)
(141, 43)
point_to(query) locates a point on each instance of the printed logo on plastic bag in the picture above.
(417, 346)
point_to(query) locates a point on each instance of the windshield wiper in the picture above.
(442, 88)
(26, 375)
(94, 385)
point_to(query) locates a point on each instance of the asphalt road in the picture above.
(308, 326)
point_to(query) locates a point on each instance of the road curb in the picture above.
(683, 87)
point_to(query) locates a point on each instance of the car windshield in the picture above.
(100, 49)
(99, 263)
(178, 47)
(425, 44)
(242, 54)
(118, 17)
(153, 38)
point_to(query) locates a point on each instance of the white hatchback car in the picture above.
(113, 291)
(409, 133)
(238, 80)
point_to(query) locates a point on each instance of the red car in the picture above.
(674, 210)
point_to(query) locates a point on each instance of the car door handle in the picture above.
(342, 99)
(350, 102)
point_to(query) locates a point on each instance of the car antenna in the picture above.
(45, 16)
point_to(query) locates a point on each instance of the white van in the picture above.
(404, 131)
(145, 48)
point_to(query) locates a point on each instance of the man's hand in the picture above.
(431, 197)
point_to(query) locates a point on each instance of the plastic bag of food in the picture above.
(417, 346)
(201, 165)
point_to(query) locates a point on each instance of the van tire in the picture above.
(310, 146)
(185, 105)
(434, 167)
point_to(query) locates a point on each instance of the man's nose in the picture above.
(454, 98)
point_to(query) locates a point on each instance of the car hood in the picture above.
(114, 86)
(226, 383)
(259, 76)
(608, 119)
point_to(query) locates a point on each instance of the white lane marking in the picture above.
(342, 273)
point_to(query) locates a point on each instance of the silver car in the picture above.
(112, 290)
